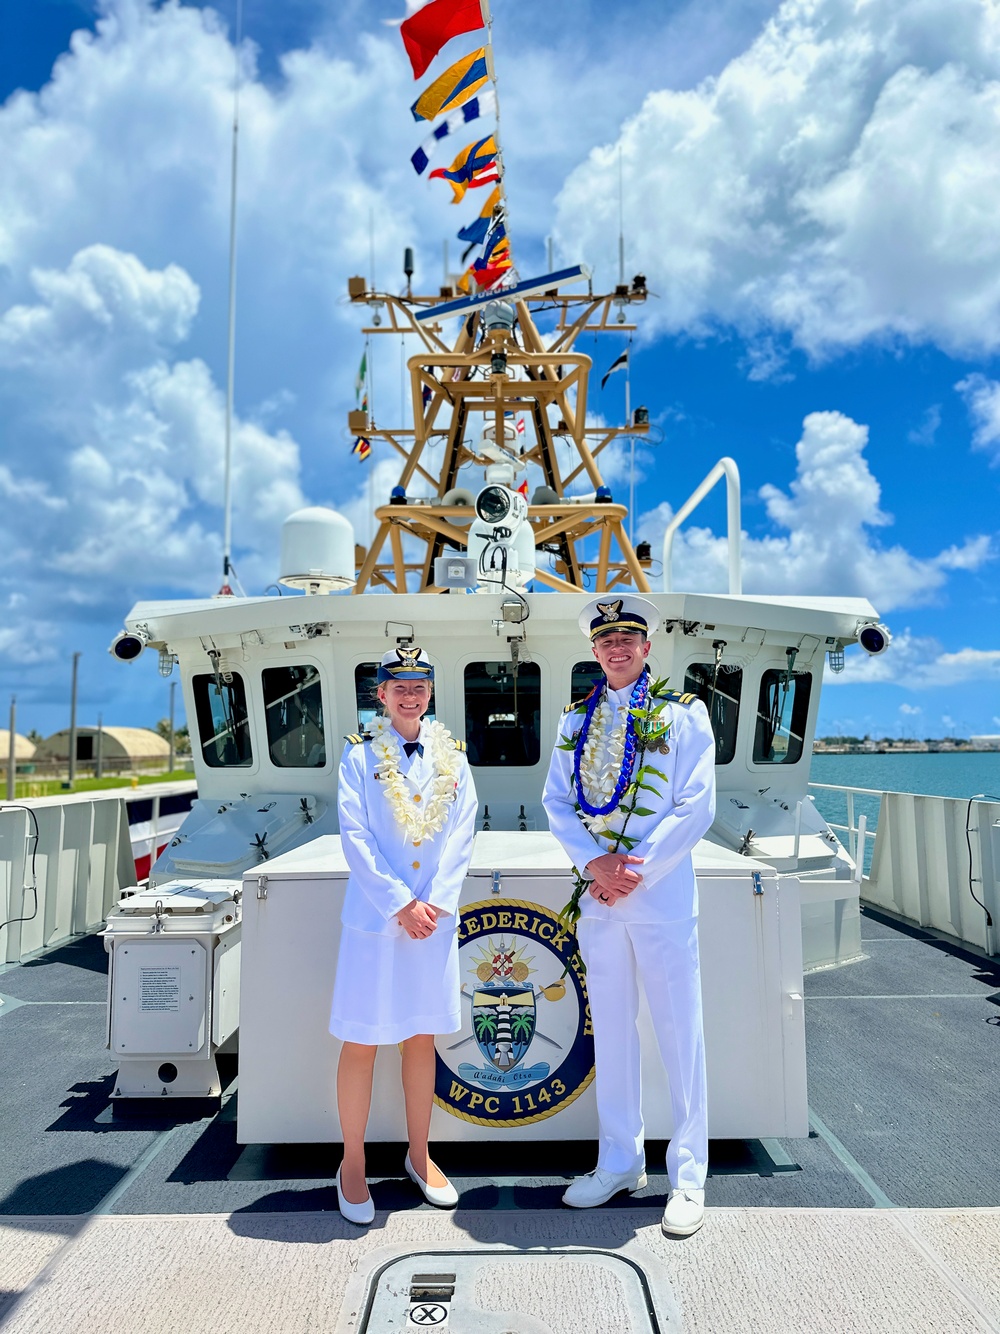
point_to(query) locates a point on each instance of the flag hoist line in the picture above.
(424, 39)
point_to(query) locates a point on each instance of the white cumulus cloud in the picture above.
(982, 398)
(830, 516)
(836, 182)
(919, 662)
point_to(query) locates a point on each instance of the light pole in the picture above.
(99, 761)
(11, 757)
(170, 769)
(71, 775)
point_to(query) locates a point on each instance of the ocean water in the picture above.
(930, 774)
(933, 775)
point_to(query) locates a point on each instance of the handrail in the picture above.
(858, 832)
(844, 787)
(725, 467)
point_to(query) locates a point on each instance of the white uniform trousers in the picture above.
(665, 956)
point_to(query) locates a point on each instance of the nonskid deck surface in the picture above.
(802, 1235)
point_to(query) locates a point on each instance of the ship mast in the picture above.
(487, 373)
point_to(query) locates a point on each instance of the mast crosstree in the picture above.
(489, 371)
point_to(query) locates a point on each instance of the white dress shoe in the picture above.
(599, 1186)
(685, 1212)
(362, 1214)
(445, 1197)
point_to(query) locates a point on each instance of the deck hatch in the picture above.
(505, 1291)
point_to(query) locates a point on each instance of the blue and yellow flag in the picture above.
(362, 448)
(474, 166)
(476, 231)
(455, 86)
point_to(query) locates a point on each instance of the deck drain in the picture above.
(499, 1291)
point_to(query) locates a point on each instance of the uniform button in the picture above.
(417, 842)
(416, 866)
(417, 797)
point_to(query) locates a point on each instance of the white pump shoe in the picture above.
(362, 1214)
(445, 1197)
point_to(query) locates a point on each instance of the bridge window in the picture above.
(365, 685)
(293, 708)
(720, 692)
(503, 713)
(223, 726)
(585, 677)
(782, 711)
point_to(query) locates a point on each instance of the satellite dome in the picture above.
(317, 551)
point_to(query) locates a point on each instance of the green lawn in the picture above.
(52, 787)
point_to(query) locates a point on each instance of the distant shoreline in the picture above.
(903, 748)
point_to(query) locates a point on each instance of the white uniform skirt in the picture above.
(389, 988)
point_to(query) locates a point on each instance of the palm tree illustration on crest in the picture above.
(521, 1027)
(486, 1025)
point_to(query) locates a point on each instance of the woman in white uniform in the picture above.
(407, 818)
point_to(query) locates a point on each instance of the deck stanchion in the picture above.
(853, 850)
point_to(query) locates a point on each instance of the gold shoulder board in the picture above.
(356, 738)
(677, 697)
(579, 703)
(459, 745)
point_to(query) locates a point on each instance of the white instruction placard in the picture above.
(160, 988)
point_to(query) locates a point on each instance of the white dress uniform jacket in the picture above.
(387, 870)
(681, 812)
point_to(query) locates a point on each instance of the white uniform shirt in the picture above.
(682, 810)
(387, 870)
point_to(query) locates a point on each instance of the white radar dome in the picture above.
(317, 551)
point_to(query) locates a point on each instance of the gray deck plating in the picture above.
(903, 1050)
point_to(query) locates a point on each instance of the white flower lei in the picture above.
(601, 763)
(417, 820)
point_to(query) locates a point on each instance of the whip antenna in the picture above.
(227, 502)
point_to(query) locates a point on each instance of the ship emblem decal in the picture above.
(526, 1048)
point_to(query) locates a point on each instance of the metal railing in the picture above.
(932, 860)
(727, 468)
(858, 830)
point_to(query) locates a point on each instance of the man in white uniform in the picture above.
(639, 908)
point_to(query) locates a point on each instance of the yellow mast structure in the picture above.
(488, 372)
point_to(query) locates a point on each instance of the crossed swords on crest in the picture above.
(472, 1037)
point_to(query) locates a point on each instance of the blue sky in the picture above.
(810, 187)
